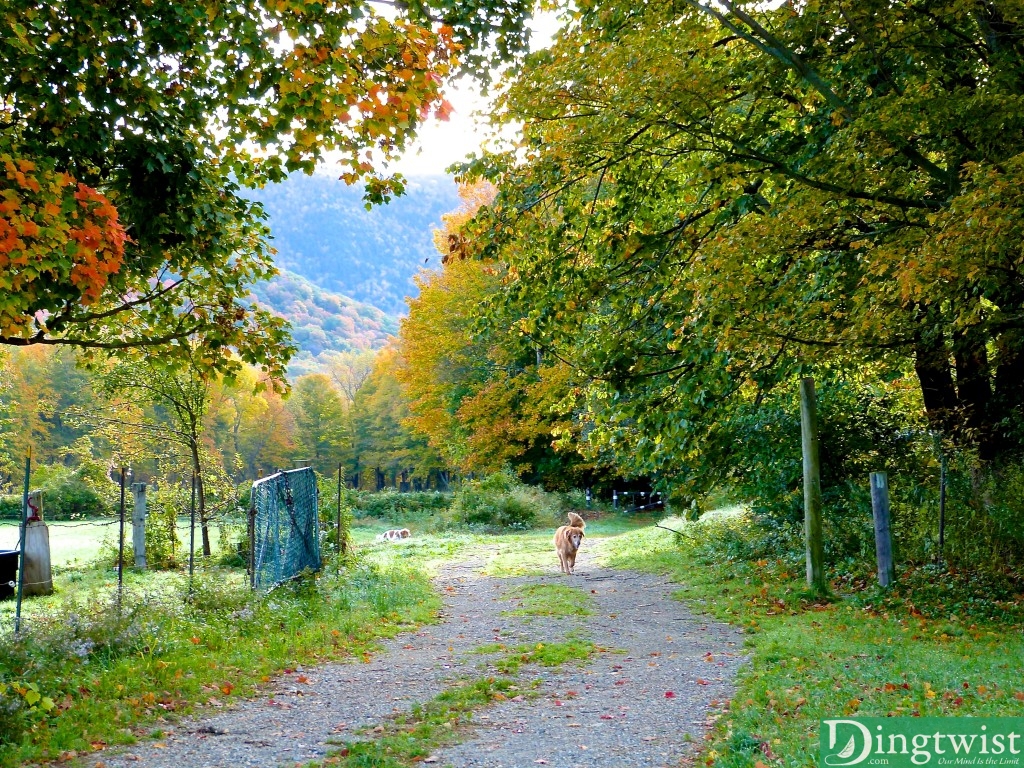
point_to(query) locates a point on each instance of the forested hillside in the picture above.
(323, 232)
(322, 321)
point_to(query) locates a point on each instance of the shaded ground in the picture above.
(645, 699)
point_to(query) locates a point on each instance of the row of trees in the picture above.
(710, 200)
(86, 423)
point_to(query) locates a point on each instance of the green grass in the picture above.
(864, 652)
(574, 648)
(173, 647)
(550, 600)
(74, 544)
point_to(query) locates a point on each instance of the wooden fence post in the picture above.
(883, 534)
(812, 486)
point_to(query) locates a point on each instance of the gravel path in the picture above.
(646, 701)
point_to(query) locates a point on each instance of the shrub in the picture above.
(163, 505)
(501, 502)
(67, 495)
(390, 504)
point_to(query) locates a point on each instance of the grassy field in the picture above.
(80, 542)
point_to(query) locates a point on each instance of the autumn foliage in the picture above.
(59, 240)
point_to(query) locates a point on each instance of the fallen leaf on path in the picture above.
(701, 681)
(669, 695)
(607, 717)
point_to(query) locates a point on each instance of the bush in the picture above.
(390, 504)
(163, 505)
(501, 502)
(66, 496)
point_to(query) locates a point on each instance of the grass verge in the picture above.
(937, 644)
(117, 672)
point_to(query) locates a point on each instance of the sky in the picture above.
(440, 144)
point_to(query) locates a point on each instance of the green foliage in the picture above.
(984, 514)
(807, 190)
(163, 506)
(321, 421)
(502, 502)
(67, 495)
(241, 95)
(20, 703)
(391, 505)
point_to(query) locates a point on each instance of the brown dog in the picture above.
(567, 542)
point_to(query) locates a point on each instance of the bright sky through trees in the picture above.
(441, 143)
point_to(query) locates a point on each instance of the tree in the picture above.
(249, 426)
(382, 441)
(181, 396)
(320, 422)
(486, 399)
(350, 370)
(709, 199)
(127, 135)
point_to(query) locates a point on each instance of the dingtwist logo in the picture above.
(855, 750)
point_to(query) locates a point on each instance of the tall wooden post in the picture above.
(883, 534)
(812, 485)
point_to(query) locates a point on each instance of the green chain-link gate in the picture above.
(284, 527)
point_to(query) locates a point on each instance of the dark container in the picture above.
(8, 573)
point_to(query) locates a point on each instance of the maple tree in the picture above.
(710, 199)
(128, 135)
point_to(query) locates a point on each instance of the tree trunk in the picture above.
(974, 392)
(197, 469)
(932, 364)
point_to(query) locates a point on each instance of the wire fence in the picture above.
(285, 530)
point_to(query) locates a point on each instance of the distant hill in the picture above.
(323, 232)
(322, 321)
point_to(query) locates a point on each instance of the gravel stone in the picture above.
(646, 700)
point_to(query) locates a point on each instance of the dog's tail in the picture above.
(576, 521)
